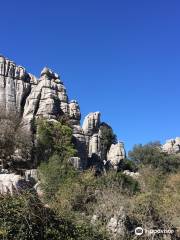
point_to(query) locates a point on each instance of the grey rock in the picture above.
(46, 97)
(91, 123)
(76, 162)
(9, 183)
(134, 175)
(172, 146)
(116, 225)
(116, 154)
(31, 174)
(14, 85)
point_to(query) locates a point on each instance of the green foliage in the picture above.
(107, 138)
(54, 173)
(127, 164)
(151, 154)
(117, 180)
(23, 217)
(13, 137)
(54, 138)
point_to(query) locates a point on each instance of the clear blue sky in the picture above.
(121, 57)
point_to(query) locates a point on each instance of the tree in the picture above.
(151, 154)
(54, 137)
(107, 138)
(54, 148)
(15, 140)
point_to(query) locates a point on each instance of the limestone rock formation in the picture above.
(90, 127)
(46, 97)
(15, 85)
(9, 183)
(116, 154)
(92, 130)
(172, 146)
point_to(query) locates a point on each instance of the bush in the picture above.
(54, 138)
(13, 137)
(23, 217)
(127, 164)
(119, 181)
(107, 138)
(151, 154)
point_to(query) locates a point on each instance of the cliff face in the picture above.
(46, 97)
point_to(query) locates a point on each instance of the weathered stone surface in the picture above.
(172, 146)
(76, 162)
(94, 144)
(46, 97)
(134, 175)
(31, 174)
(116, 154)
(14, 85)
(116, 224)
(9, 183)
(91, 123)
(74, 112)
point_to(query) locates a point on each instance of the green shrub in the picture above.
(121, 182)
(127, 164)
(151, 154)
(54, 138)
(107, 138)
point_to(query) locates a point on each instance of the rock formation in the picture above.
(15, 85)
(9, 183)
(46, 97)
(172, 146)
(116, 154)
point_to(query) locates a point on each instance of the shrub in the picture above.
(151, 154)
(54, 138)
(107, 138)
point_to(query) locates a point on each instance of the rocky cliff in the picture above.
(46, 97)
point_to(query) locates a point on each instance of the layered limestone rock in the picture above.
(90, 127)
(93, 135)
(116, 154)
(172, 146)
(15, 85)
(46, 97)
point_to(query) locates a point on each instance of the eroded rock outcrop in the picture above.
(92, 128)
(172, 146)
(116, 154)
(9, 183)
(15, 85)
(46, 97)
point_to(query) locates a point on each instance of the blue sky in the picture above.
(121, 58)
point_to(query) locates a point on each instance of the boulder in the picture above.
(172, 146)
(116, 154)
(9, 183)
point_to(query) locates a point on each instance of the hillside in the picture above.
(61, 180)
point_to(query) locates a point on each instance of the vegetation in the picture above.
(151, 154)
(107, 138)
(13, 139)
(80, 205)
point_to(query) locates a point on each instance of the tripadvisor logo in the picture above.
(139, 231)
